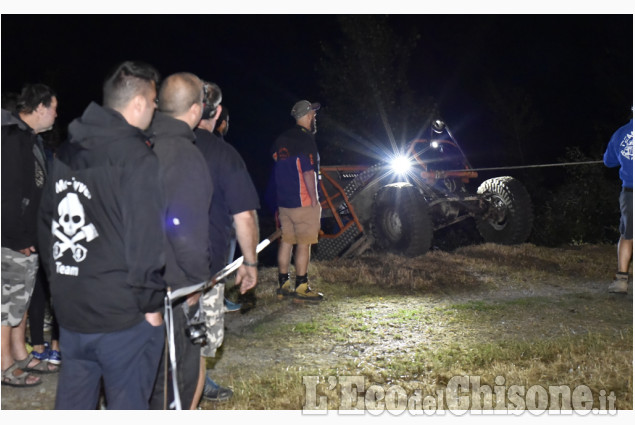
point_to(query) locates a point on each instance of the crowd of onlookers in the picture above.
(144, 195)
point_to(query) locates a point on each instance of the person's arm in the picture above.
(247, 235)
(44, 220)
(143, 209)
(610, 156)
(311, 186)
(15, 155)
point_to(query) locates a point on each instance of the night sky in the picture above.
(577, 68)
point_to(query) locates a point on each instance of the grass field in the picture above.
(521, 316)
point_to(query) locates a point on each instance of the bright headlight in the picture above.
(400, 164)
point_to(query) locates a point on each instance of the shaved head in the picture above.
(179, 92)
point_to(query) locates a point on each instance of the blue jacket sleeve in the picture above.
(610, 156)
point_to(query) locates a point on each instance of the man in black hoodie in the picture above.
(188, 190)
(23, 177)
(101, 234)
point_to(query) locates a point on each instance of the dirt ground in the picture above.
(269, 335)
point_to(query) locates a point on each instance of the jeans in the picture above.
(127, 360)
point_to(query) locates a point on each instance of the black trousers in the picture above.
(37, 308)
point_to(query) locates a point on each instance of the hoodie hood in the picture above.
(99, 125)
(9, 119)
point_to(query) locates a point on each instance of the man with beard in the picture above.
(296, 173)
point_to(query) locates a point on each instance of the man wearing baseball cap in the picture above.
(296, 172)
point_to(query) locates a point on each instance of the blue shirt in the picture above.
(619, 152)
(234, 192)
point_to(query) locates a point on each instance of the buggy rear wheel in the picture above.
(510, 217)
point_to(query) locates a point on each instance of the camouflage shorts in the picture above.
(18, 280)
(213, 307)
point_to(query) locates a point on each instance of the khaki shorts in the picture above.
(300, 225)
(214, 309)
(18, 280)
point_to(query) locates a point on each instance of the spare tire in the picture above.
(401, 220)
(510, 216)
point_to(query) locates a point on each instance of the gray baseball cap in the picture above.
(302, 108)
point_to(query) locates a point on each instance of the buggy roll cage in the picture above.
(425, 171)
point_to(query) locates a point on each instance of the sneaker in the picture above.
(285, 290)
(304, 293)
(44, 355)
(620, 284)
(214, 392)
(55, 357)
(231, 306)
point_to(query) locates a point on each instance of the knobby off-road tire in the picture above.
(514, 219)
(401, 220)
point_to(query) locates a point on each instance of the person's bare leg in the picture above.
(18, 341)
(8, 360)
(198, 393)
(302, 258)
(18, 344)
(7, 357)
(284, 257)
(624, 254)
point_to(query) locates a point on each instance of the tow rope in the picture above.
(518, 167)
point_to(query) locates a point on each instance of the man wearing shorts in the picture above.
(296, 173)
(619, 153)
(23, 178)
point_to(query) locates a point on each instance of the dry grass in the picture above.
(536, 316)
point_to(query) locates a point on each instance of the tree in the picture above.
(516, 116)
(371, 108)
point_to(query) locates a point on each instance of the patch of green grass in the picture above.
(482, 355)
(306, 328)
(477, 305)
(500, 305)
(405, 314)
(363, 314)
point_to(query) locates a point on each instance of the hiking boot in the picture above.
(285, 290)
(620, 284)
(304, 293)
(214, 392)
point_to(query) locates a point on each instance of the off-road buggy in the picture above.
(386, 208)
